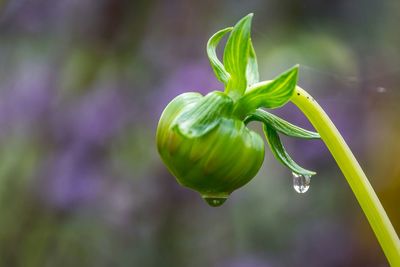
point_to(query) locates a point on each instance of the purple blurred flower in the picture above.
(75, 177)
(78, 168)
(94, 119)
(46, 15)
(27, 98)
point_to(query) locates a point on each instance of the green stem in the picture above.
(355, 176)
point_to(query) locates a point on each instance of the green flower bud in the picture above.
(204, 141)
(206, 148)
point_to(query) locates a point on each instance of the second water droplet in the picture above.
(215, 201)
(301, 183)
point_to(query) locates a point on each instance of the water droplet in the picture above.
(301, 183)
(215, 201)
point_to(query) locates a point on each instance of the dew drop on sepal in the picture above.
(215, 201)
(301, 183)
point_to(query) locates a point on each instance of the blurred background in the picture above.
(83, 83)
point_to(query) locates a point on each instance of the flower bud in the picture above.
(216, 162)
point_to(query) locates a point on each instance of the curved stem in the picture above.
(355, 176)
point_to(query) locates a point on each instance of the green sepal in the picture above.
(252, 75)
(280, 125)
(279, 151)
(268, 94)
(204, 116)
(236, 55)
(217, 66)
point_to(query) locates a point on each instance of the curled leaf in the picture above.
(217, 66)
(279, 151)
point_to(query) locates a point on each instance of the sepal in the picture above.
(204, 116)
(280, 125)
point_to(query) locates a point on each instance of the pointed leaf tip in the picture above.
(294, 69)
(268, 94)
(236, 56)
(250, 15)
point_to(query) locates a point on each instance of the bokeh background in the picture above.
(83, 83)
